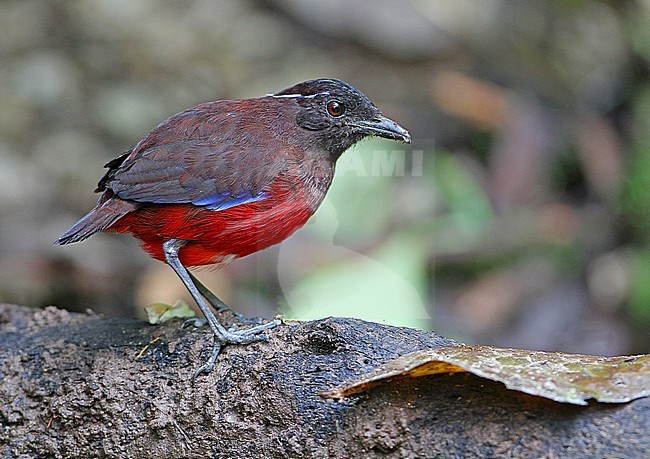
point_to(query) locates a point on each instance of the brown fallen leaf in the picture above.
(566, 378)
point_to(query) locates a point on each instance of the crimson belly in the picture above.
(214, 237)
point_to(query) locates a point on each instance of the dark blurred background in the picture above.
(519, 216)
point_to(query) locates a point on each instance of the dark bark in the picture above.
(71, 386)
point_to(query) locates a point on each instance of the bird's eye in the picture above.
(335, 108)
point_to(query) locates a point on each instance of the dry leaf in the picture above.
(158, 313)
(567, 378)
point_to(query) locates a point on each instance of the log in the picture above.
(83, 385)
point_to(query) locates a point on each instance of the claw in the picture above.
(209, 365)
(195, 322)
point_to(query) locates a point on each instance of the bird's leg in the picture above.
(219, 305)
(222, 336)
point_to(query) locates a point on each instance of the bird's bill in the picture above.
(384, 127)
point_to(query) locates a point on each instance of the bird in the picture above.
(228, 178)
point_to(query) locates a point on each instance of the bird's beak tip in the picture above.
(385, 127)
(394, 131)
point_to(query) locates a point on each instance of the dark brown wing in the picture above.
(214, 155)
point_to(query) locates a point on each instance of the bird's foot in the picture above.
(200, 293)
(223, 337)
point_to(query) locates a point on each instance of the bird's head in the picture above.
(337, 115)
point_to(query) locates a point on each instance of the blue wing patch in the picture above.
(226, 201)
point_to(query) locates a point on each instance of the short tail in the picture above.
(104, 215)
